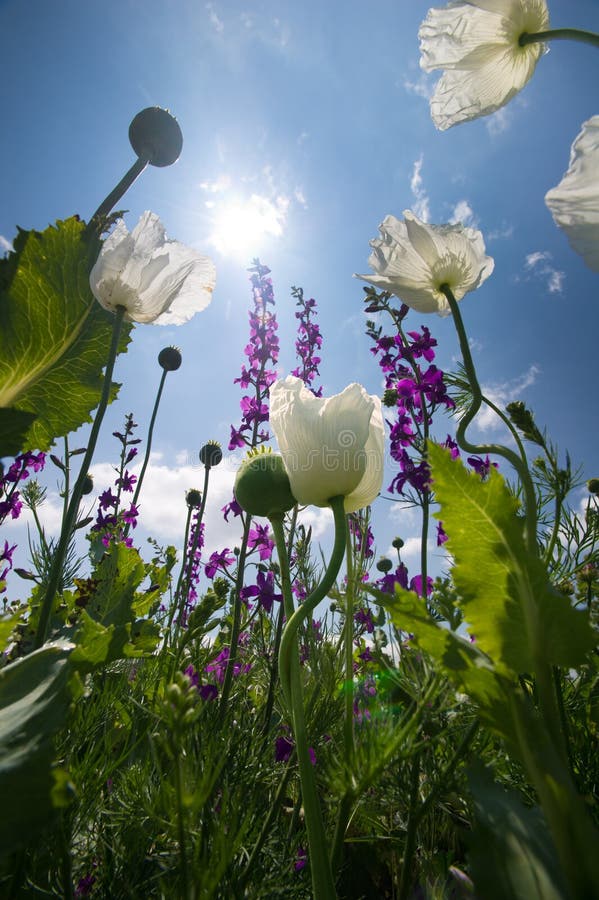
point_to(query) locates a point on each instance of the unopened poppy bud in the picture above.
(593, 486)
(88, 485)
(211, 454)
(397, 543)
(155, 135)
(193, 498)
(170, 359)
(262, 485)
(384, 565)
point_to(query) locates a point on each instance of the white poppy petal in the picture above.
(477, 44)
(414, 261)
(155, 279)
(328, 445)
(574, 203)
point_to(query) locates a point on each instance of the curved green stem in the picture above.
(498, 449)
(71, 515)
(318, 594)
(322, 880)
(348, 652)
(116, 193)
(560, 34)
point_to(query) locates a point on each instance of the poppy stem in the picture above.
(71, 514)
(560, 34)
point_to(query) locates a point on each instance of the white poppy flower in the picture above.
(156, 280)
(412, 260)
(331, 446)
(574, 203)
(477, 43)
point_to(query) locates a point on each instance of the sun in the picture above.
(241, 228)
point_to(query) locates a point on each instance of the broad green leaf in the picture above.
(512, 856)
(54, 336)
(34, 702)
(14, 425)
(507, 599)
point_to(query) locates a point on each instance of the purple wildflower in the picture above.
(259, 539)
(416, 585)
(387, 582)
(364, 617)
(218, 560)
(264, 590)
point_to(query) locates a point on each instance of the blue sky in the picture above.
(304, 125)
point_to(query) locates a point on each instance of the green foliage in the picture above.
(510, 849)
(53, 337)
(506, 595)
(34, 701)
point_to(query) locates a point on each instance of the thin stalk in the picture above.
(406, 868)
(444, 779)
(67, 475)
(236, 628)
(498, 449)
(348, 648)
(73, 508)
(181, 827)
(115, 195)
(323, 887)
(318, 594)
(149, 440)
(184, 582)
(560, 34)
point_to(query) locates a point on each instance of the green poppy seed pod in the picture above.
(593, 486)
(262, 486)
(384, 565)
(193, 498)
(88, 485)
(390, 397)
(211, 454)
(397, 543)
(155, 135)
(170, 359)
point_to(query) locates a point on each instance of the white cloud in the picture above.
(499, 122)
(463, 212)
(421, 206)
(502, 393)
(538, 265)
(5, 245)
(220, 184)
(215, 21)
(423, 86)
(301, 198)
(497, 234)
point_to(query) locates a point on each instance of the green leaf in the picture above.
(34, 702)
(14, 425)
(508, 601)
(512, 856)
(54, 336)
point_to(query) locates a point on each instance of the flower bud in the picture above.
(211, 454)
(170, 359)
(88, 485)
(397, 543)
(262, 485)
(384, 565)
(193, 498)
(390, 397)
(593, 486)
(155, 135)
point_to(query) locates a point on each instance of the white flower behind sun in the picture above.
(413, 260)
(477, 44)
(574, 203)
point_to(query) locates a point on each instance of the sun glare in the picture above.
(241, 228)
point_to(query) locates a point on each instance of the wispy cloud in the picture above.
(502, 393)
(423, 86)
(421, 205)
(5, 245)
(463, 212)
(538, 265)
(215, 20)
(501, 234)
(499, 122)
